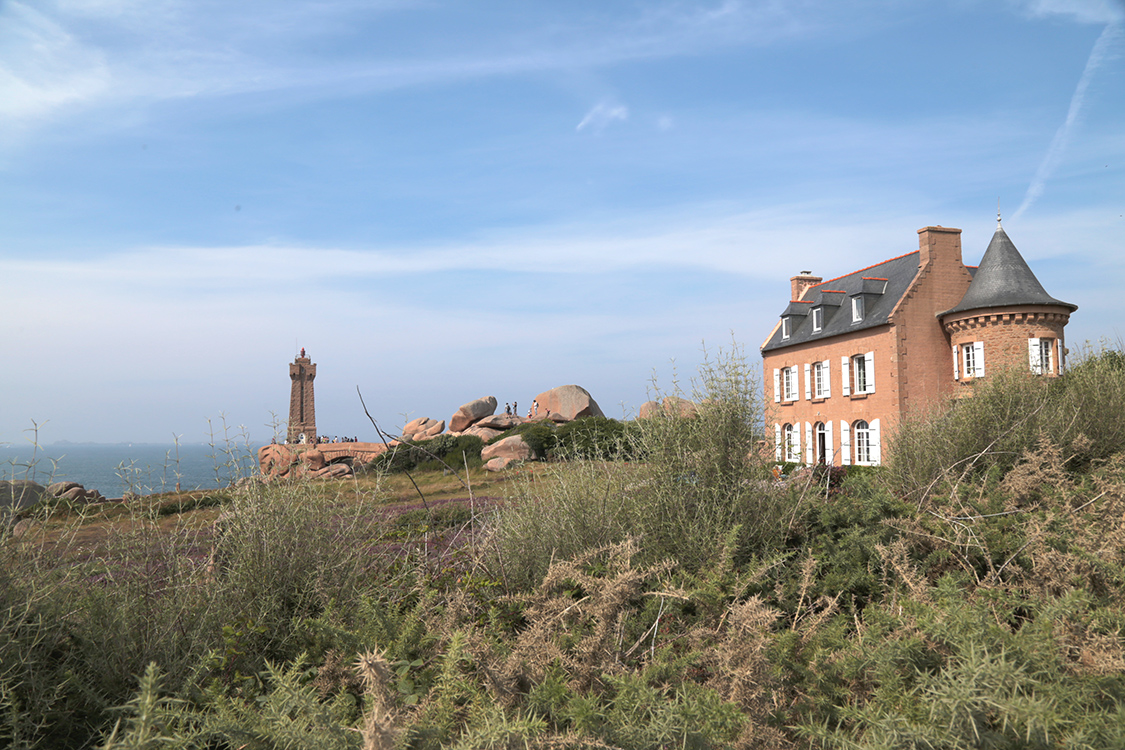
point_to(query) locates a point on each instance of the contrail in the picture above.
(1058, 143)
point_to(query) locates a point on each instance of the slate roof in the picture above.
(892, 276)
(1004, 279)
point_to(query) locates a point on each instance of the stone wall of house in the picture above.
(1005, 332)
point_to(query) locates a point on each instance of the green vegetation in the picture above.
(658, 588)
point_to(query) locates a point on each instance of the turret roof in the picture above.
(1004, 279)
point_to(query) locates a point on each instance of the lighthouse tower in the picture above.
(302, 409)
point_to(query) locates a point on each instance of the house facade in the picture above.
(851, 356)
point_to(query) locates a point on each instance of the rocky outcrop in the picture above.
(319, 462)
(471, 413)
(74, 492)
(672, 406)
(423, 428)
(502, 422)
(513, 448)
(499, 463)
(568, 401)
(484, 433)
(17, 495)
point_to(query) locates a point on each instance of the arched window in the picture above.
(791, 435)
(862, 437)
(821, 445)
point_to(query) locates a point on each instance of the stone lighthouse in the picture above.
(302, 410)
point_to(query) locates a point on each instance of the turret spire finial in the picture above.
(998, 213)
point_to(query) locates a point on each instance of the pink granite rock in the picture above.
(471, 413)
(679, 407)
(498, 464)
(501, 422)
(484, 433)
(513, 448)
(568, 401)
(313, 460)
(648, 409)
(433, 430)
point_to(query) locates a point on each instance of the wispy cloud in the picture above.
(602, 115)
(1082, 11)
(43, 66)
(121, 51)
(1109, 36)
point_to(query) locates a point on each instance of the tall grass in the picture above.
(1005, 416)
(700, 489)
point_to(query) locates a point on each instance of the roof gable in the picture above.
(891, 277)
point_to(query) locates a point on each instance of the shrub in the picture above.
(702, 481)
(1081, 412)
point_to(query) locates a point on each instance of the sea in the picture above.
(143, 468)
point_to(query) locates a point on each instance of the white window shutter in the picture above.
(796, 442)
(845, 443)
(777, 442)
(808, 382)
(829, 450)
(1033, 356)
(826, 375)
(869, 365)
(776, 385)
(808, 443)
(956, 369)
(844, 376)
(876, 442)
(978, 347)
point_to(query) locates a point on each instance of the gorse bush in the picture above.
(443, 452)
(702, 487)
(1005, 416)
(682, 598)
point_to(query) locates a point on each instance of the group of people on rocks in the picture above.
(319, 439)
(513, 409)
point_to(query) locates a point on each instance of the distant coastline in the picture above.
(116, 468)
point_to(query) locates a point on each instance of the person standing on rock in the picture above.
(507, 409)
(516, 408)
(535, 407)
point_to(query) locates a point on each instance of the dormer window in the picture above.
(785, 327)
(817, 318)
(857, 309)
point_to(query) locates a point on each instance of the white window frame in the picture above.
(973, 359)
(817, 319)
(789, 385)
(785, 327)
(1041, 355)
(857, 308)
(863, 373)
(791, 438)
(822, 384)
(823, 453)
(866, 443)
(861, 441)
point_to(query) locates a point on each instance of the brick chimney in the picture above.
(798, 285)
(939, 245)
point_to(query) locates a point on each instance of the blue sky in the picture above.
(442, 200)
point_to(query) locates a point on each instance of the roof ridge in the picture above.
(852, 273)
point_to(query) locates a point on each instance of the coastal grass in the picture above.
(679, 596)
